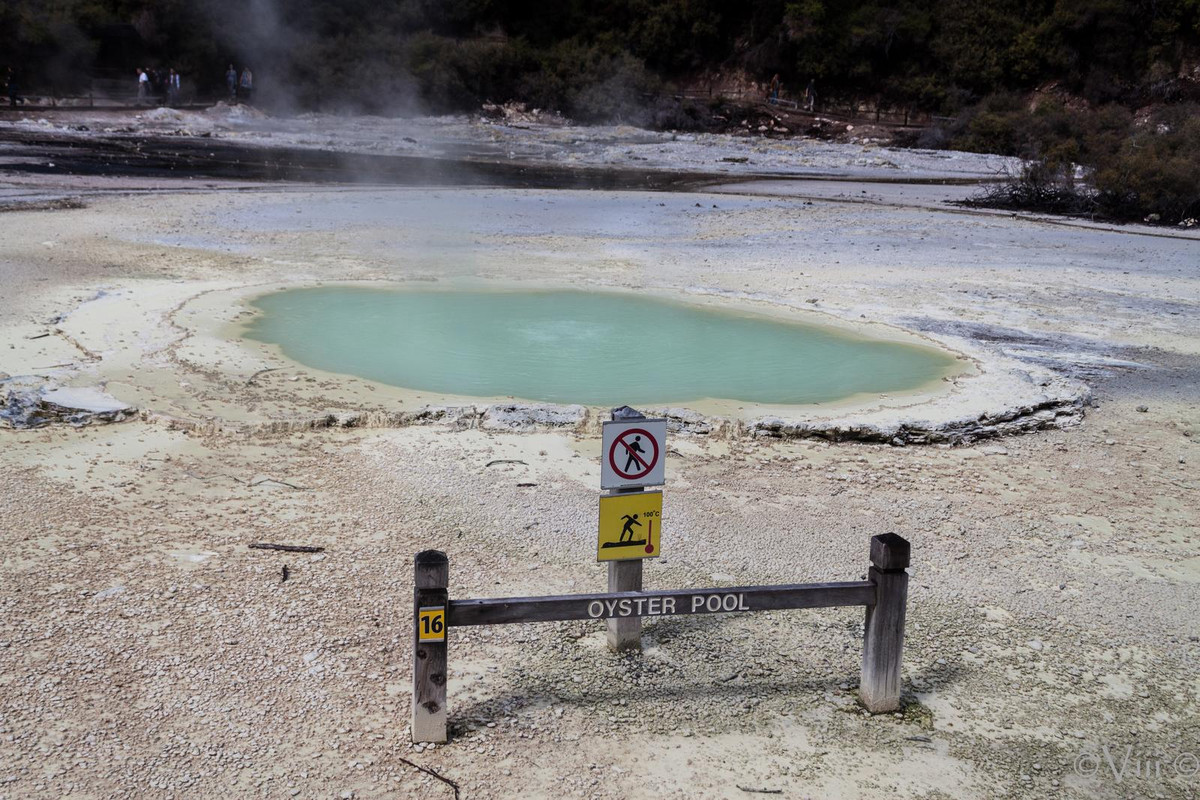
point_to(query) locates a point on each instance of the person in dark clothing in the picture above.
(156, 87)
(13, 91)
(231, 82)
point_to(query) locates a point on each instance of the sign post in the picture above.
(633, 456)
(883, 637)
(431, 577)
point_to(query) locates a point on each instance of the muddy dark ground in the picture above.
(43, 153)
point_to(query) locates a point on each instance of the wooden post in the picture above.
(625, 633)
(879, 686)
(431, 576)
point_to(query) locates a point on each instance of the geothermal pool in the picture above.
(593, 348)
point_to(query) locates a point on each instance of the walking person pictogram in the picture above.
(633, 454)
(634, 450)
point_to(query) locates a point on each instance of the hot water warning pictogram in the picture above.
(630, 526)
(633, 454)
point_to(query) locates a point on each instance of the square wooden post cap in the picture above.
(429, 558)
(626, 413)
(890, 551)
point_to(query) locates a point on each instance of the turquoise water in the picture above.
(594, 348)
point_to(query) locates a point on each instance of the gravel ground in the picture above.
(147, 652)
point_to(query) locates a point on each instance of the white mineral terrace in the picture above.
(148, 651)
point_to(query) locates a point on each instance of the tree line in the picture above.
(589, 58)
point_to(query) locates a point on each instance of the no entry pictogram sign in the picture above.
(633, 454)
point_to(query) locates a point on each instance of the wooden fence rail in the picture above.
(884, 594)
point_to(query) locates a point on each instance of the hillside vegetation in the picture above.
(583, 56)
(1125, 74)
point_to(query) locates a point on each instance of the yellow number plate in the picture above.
(431, 624)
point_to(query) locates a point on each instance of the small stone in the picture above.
(1143, 409)
(1034, 644)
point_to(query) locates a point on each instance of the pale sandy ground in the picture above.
(146, 652)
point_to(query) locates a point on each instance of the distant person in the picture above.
(246, 84)
(11, 87)
(173, 88)
(143, 86)
(810, 94)
(231, 82)
(776, 85)
(156, 86)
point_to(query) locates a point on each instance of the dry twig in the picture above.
(250, 380)
(289, 548)
(428, 771)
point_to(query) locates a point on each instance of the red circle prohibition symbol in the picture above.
(625, 452)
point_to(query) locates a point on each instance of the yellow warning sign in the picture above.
(630, 526)
(431, 624)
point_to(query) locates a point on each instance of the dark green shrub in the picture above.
(1156, 171)
(1099, 163)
